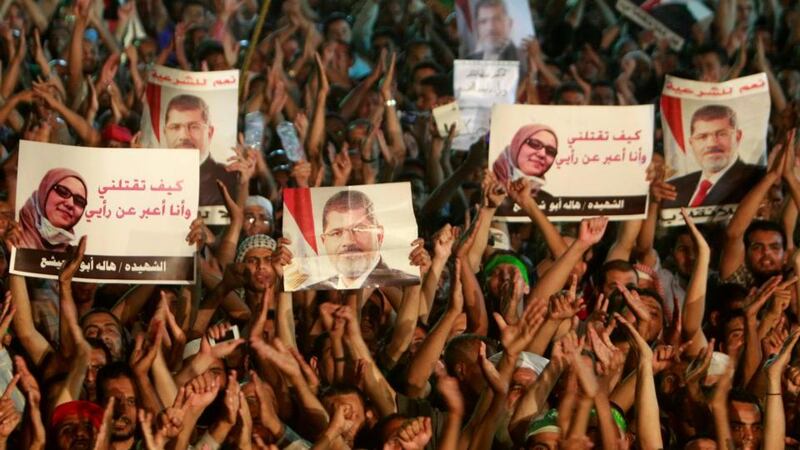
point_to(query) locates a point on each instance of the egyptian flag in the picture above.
(298, 225)
(672, 120)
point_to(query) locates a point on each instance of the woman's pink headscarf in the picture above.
(507, 161)
(31, 213)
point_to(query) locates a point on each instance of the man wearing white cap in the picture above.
(258, 216)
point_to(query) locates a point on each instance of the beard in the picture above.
(121, 434)
(354, 263)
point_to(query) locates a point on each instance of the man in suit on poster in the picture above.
(723, 177)
(352, 237)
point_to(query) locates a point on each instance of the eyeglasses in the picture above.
(357, 231)
(719, 135)
(537, 145)
(193, 127)
(63, 192)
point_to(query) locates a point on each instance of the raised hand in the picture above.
(493, 192)
(565, 304)
(516, 337)
(447, 387)
(71, 266)
(592, 230)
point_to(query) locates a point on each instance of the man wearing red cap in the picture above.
(75, 424)
(116, 136)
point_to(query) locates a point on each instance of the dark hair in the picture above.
(764, 225)
(713, 112)
(113, 371)
(564, 88)
(722, 55)
(187, 102)
(206, 49)
(99, 344)
(332, 18)
(384, 32)
(442, 84)
(618, 265)
(460, 349)
(427, 65)
(341, 389)
(744, 396)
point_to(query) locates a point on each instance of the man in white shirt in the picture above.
(724, 178)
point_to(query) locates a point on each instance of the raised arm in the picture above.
(316, 133)
(24, 329)
(591, 232)
(520, 192)
(733, 250)
(695, 303)
(424, 360)
(774, 416)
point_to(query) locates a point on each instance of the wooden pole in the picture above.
(251, 49)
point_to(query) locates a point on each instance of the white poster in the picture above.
(583, 161)
(493, 30)
(134, 205)
(479, 85)
(715, 144)
(349, 237)
(196, 110)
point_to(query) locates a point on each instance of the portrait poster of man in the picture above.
(196, 110)
(715, 144)
(493, 30)
(135, 207)
(350, 237)
(580, 161)
(479, 85)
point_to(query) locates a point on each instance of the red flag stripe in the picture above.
(297, 201)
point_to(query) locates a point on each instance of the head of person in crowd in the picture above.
(711, 63)
(715, 137)
(337, 27)
(420, 72)
(746, 420)
(493, 25)
(258, 216)
(603, 93)
(116, 136)
(187, 125)
(383, 39)
(74, 425)
(502, 271)
(459, 359)
(212, 54)
(433, 91)
(352, 400)
(103, 325)
(117, 380)
(616, 272)
(255, 252)
(765, 249)
(683, 252)
(50, 214)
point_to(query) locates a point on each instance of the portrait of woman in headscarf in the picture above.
(532, 151)
(51, 212)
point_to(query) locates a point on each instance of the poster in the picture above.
(493, 30)
(478, 85)
(134, 205)
(196, 110)
(671, 20)
(349, 237)
(583, 161)
(715, 144)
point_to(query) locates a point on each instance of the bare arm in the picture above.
(24, 329)
(695, 302)
(733, 250)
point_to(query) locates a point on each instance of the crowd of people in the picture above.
(531, 335)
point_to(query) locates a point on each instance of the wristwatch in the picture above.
(391, 102)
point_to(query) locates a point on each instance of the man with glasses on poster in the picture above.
(723, 177)
(186, 125)
(352, 238)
